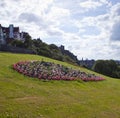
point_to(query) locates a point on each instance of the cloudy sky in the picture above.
(88, 28)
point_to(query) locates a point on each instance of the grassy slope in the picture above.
(26, 97)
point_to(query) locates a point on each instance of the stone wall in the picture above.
(7, 48)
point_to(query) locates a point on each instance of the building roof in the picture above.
(16, 29)
(6, 29)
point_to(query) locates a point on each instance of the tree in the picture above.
(107, 67)
(17, 43)
(53, 46)
(28, 40)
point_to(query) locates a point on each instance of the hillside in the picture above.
(37, 46)
(25, 97)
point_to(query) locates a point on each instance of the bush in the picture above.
(107, 67)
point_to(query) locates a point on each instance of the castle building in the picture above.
(9, 33)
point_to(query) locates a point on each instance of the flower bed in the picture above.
(51, 71)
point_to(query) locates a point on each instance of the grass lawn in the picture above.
(25, 97)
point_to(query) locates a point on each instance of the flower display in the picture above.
(51, 71)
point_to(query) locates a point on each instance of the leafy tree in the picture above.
(53, 46)
(37, 42)
(107, 67)
(17, 43)
(41, 48)
(28, 40)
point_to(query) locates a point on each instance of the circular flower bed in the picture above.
(51, 71)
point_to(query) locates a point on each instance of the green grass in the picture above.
(25, 97)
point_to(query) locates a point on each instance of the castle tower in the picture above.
(11, 34)
(2, 41)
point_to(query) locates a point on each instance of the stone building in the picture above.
(9, 33)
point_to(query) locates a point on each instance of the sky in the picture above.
(88, 28)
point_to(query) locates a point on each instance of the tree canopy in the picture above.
(107, 67)
(41, 48)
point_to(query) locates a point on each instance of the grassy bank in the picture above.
(25, 97)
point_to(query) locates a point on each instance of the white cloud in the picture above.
(58, 13)
(68, 22)
(89, 4)
(106, 2)
(99, 44)
(115, 21)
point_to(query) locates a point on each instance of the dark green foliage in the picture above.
(41, 48)
(28, 41)
(53, 46)
(107, 67)
(37, 42)
(51, 51)
(17, 43)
